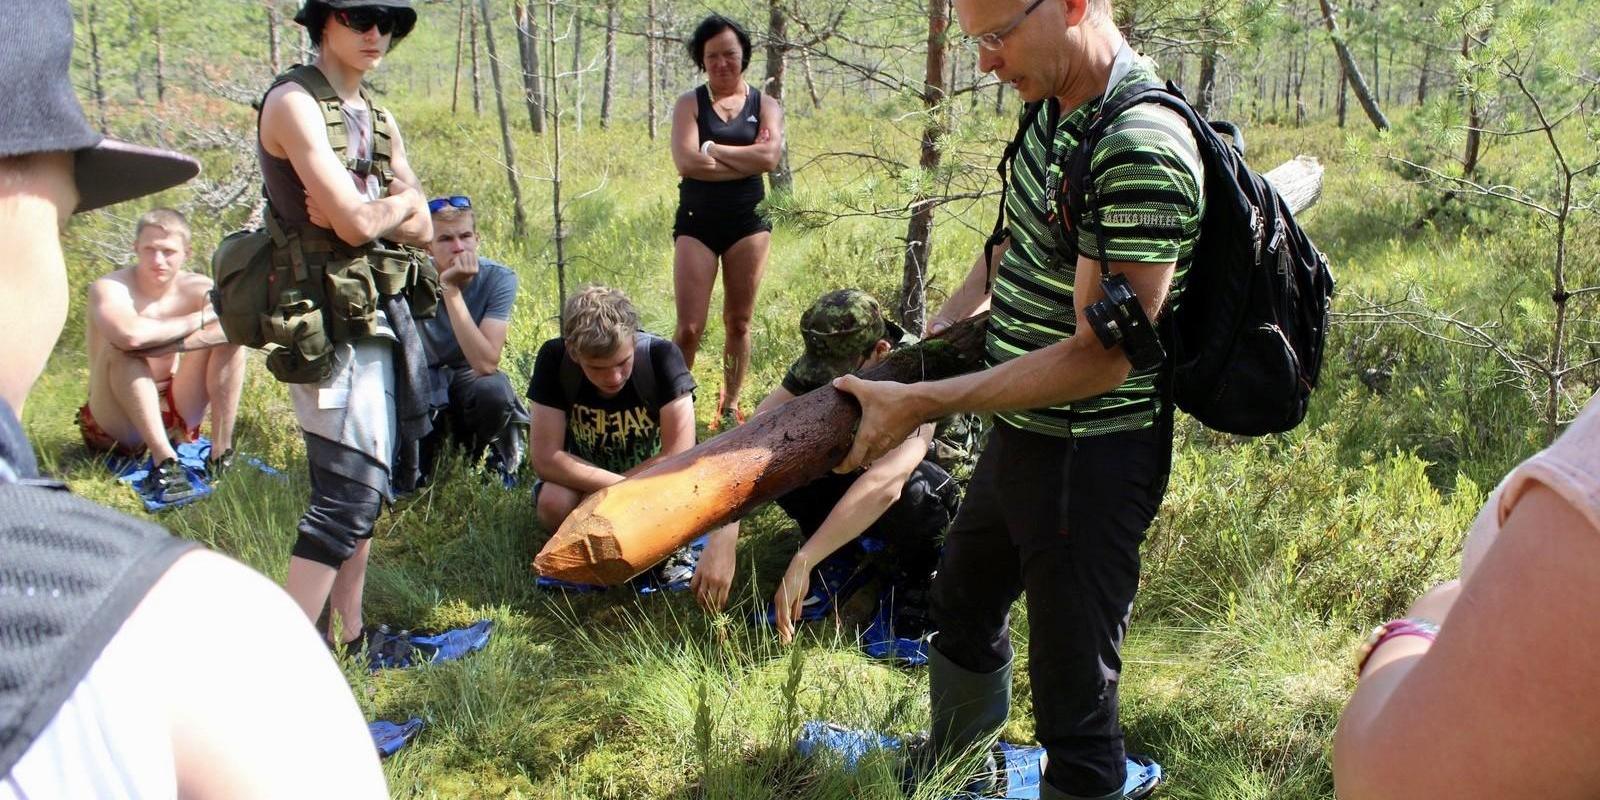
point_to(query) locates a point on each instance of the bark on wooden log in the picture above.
(624, 529)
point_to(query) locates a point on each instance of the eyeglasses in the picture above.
(993, 39)
(362, 19)
(456, 201)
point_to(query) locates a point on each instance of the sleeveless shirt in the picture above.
(737, 132)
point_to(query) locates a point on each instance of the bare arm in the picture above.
(974, 293)
(772, 401)
(292, 127)
(1500, 705)
(867, 498)
(686, 155)
(482, 343)
(111, 307)
(677, 432)
(417, 229)
(232, 744)
(546, 435)
(1064, 372)
(764, 154)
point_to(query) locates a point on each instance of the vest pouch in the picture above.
(245, 287)
(391, 270)
(425, 289)
(299, 350)
(352, 299)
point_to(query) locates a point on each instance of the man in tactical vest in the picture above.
(341, 195)
(158, 359)
(904, 500)
(1077, 463)
(465, 340)
(118, 641)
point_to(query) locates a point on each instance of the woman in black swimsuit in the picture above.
(725, 134)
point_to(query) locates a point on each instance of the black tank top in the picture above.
(737, 132)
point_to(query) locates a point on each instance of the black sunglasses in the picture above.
(362, 19)
(456, 201)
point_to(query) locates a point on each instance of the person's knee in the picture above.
(689, 331)
(556, 502)
(337, 523)
(736, 323)
(492, 399)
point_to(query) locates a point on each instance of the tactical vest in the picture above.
(298, 290)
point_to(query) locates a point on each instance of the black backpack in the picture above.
(1245, 343)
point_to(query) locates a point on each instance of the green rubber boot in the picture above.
(968, 710)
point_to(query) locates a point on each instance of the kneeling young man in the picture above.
(904, 500)
(608, 401)
(465, 341)
(158, 359)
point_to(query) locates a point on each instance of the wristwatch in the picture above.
(1393, 629)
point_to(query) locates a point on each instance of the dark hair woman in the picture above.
(725, 134)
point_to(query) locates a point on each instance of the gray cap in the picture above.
(40, 113)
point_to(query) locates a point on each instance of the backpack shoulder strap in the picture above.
(1080, 199)
(1030, 112)
(644, 367)
(571, 376)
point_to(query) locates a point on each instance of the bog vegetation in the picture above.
(1460, 142)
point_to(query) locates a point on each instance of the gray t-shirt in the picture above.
(490, 295)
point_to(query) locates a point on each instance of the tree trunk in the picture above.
(650, 65)
(1469, 158)
(577, 69)
(560, 229)
(1352, 71)
(1206, 90)
(919, 230)
(608, 84)
(90, 18)
(161, 58)
(1343, 104)
(533, 93)
(519, 218)
(628, 527)
(811, 83)
(477, 74)
(1299, 91)
(1422, 80)
(777, 63)
(272, 37)
(461, 38)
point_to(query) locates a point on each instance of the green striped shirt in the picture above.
(1148, 175)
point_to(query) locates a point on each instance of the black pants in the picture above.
(910, 529)
(479, 408)
(1059, 520)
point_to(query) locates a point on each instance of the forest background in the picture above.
(1460, 141)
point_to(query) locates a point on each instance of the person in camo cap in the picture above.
(904, 499)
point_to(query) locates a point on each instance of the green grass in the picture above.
(1267, 558)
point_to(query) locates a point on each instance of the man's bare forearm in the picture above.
(1064, 372)
(972, 296)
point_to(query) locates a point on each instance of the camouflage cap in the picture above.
(838, 329)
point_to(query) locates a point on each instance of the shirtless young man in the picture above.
(158, 359)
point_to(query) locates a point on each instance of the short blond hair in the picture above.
(167, 220)
(451, 214)
(597, 320)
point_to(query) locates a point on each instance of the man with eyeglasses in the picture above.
(1076, 466)
(465, 340)
(337, 179)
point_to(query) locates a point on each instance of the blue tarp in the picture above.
(1021, 763)
(192, 456)
(406, 649)
(389, 737)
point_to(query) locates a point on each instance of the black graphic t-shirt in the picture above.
(613, 433)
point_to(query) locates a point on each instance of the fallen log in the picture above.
(624, 529)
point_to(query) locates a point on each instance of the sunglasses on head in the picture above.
(363, 18)
(456, 201)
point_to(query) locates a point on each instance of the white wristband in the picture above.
(705, 148)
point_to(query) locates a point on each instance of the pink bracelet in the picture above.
(1393, 629)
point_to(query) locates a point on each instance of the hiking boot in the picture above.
(216, 467)
(167, 482)
(678, 568)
